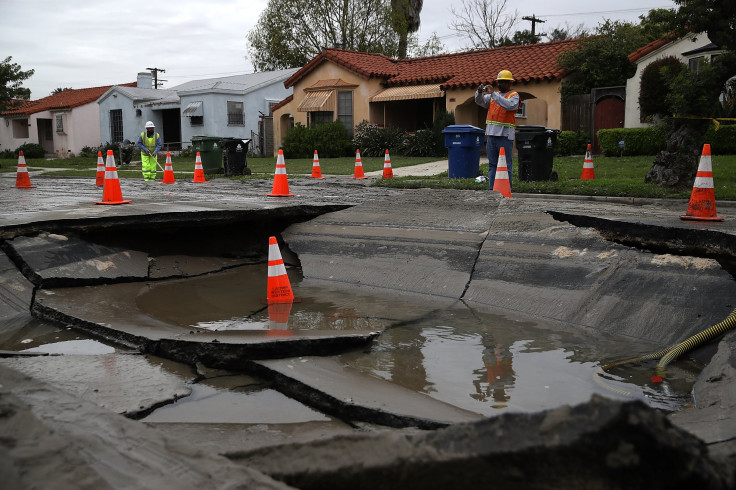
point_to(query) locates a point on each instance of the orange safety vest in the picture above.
(498, 116)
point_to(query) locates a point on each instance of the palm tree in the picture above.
(405, 20)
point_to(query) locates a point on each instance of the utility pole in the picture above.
(155, 71)
(534, 21)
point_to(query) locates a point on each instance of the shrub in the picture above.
(572, 143)
(442, 119)
(637, 141)
(723, 141)
(653, 91)
(374, 141)
(331, 140)
(31, 150)
(423, 143)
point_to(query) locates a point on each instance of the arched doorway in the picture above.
(609, 113)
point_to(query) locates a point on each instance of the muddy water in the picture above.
(475, 360)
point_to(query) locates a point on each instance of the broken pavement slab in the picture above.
(330, 386)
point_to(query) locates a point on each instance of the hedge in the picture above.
(652, 140)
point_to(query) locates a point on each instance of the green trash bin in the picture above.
(210, 150)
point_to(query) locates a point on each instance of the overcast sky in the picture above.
(80, 44)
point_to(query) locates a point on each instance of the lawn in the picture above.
(614, 176)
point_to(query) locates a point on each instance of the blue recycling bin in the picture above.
(463, 143)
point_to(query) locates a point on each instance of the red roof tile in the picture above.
(652, 46)
(66, 99)
(528, 63)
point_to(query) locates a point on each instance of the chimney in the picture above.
(145, 79)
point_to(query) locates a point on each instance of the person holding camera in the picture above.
(502, 104)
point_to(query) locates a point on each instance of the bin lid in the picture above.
(531, 128)
(206, 138)
(462, 128)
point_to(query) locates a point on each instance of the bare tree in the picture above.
(483, 23)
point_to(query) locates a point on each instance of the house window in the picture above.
(116, 125)
(522, 109)
(59, 123)
(138, 113)
(319, 117)
(270, 107)
(235, 115)
(695, 63)
(196, 120)
(20, 128)
(345, 109)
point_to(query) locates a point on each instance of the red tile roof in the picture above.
(282, 103)
(534, 62)
(66, 99)
(652, 46)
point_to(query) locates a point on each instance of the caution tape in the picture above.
(715, 120)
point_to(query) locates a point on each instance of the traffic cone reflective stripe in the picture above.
(502, 183)
(702, 205)
(168, 171)
(22, 180)
(588, 168)
(280, 182)
(316, 170)
(111, 193)
(358, 173)
(279, 287)
(198, 170)
(387, 170)
(100, 180)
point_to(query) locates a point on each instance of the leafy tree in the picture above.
(11, 79)
(521, 38)
(405, 20)
(483, 23)
(567, 31)
(602, 60)
(59, 90)
(291, 32)
(717, 18)
(658, 23)
(654, 79)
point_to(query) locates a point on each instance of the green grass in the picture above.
(614, 176)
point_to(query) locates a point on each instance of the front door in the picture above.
(609, 114)
(46, 134)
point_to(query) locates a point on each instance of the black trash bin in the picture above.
(234, 156)
(536, 150)
(463, 143)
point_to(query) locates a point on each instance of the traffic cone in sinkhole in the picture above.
(100, 178)
(316, 170)
(22, 180)
(111, 193)
(502, 183)
(358, 173)
(388, 172)
(702, 205)
(279, 287)
(588, 168)
(278, 319)
(280, 182)
(199, 170)
(168, 171)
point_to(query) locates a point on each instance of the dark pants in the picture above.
(493, 148)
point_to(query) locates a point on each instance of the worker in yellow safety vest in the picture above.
(502, 104)
(149, 143)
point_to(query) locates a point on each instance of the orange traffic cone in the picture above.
(588, 168)
(280, 182)
(358, 174)
(501, 183)
(279, 288)
(278, 317)
(22, 180)
(100, 181)
(702, 204)
(316, 170)
(111, 193)
(168, 171)
(199, 170)
(388, 172)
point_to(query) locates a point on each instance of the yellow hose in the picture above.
(700, 338)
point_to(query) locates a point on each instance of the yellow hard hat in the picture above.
(505, 75)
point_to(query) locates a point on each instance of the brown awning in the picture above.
(408, 92)
(319, 100)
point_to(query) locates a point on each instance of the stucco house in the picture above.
(231, 106)
(62, 123)
(353, 86)
(691, 49)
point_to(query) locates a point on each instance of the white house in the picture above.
(692, 50)
(62, 123)
(226, 107)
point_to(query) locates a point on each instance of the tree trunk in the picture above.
(677, 165)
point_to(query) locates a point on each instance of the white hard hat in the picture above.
(149, 124)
